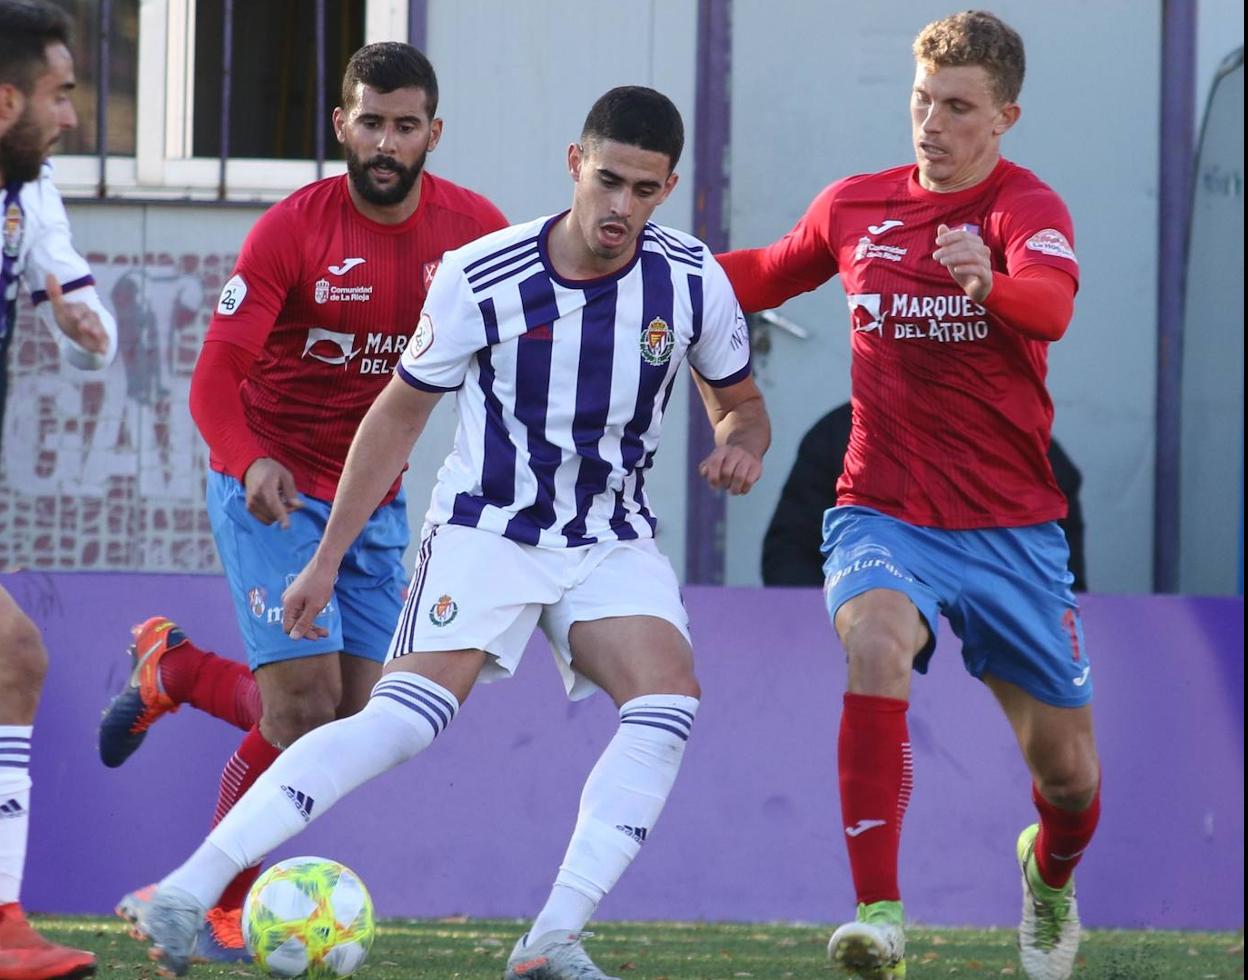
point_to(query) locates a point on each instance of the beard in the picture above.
(22, 152)
(361, 171)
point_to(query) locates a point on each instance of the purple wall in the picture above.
(478, 825)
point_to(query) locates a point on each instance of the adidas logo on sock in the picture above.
(11, 809)
(302, 801)
(636, 833)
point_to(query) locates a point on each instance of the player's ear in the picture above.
(12, 101)
(576, 156)
(1007, 116)
(435, 134)
(340, 120)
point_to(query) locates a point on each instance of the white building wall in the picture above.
(819, 91)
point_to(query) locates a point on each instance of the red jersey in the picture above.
(325, 300)
(951, 415)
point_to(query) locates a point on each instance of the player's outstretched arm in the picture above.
(742, 434)
(78, 321)
(381, 446)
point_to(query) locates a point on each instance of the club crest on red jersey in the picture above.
(429, 270)
(657, 342)
(321, 293)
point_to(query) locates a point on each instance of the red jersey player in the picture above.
(959, 272)
(327, 290)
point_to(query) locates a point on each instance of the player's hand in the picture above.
(304, 599)
(731, 468)
(271, 493)
(967, 258)
(77, 321)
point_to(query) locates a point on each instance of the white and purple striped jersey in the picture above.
(35, 243)
(561, 385)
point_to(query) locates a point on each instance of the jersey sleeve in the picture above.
(450, 331)
(802, 260)
(1036, 230)
(267, 269)
(222, 422)
(721, 351)
(52, 253)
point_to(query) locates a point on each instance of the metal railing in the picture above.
(417, 16)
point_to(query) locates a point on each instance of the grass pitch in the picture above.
(476, 949)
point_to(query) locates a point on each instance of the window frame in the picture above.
(163, 167)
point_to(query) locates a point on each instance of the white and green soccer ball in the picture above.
(309, 917)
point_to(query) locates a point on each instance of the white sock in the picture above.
(622, 799)
(14, 807)
(402, 718)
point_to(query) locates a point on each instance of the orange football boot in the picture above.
(26, 955)
(129, 716)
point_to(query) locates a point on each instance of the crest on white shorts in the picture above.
(443, 611)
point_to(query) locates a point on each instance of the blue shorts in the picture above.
(1005, 591)
(260, 561)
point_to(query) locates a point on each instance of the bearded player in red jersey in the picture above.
(327, 290)
(959, 273)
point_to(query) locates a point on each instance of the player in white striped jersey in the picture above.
(36, 77)
(562, 339)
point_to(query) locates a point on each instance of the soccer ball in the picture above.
(309, 917)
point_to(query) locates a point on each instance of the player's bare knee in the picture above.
(1070, 780)
(289, 718)
(879, 660)
(1074, 795)
(23, 659)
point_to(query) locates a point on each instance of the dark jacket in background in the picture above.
(791, 553)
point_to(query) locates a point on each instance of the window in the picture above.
(164, 109)
(273, 110)
(122, 53)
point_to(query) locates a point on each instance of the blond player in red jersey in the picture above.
(327, 290)
(959, 271)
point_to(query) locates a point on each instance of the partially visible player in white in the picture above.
(562, 339)
(36, 78)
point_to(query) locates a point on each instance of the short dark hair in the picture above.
(637, 116)
(27, 27)
(976, 37)
(389, 65)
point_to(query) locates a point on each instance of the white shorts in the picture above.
(476, 590)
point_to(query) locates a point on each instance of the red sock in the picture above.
(1064, 836)
(877, 774)
(253, 757)
(223, 688)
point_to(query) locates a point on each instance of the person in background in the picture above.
(791, 547)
